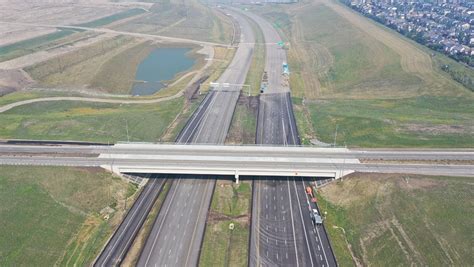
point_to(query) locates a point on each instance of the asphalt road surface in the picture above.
(241, 151)
(118, 245)
(426, 169)
(177, 233)
(282, 232)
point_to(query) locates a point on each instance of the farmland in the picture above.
(50, 215)
(393, 219)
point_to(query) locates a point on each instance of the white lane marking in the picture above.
(290, 121)
(324, 252)
(126, 226)
(317, 229)
(292, 223)
(193, 119)
(161, 224)
(302, 222)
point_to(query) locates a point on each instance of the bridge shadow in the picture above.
(228, 177)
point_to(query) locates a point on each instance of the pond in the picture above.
(161, 65)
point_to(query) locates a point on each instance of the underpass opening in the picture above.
(318, 180)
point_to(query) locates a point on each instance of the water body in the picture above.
(161, 65)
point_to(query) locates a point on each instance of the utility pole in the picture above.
(335, 136)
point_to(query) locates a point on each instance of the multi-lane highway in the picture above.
(282, 232)
(177, 233)
(122, 239)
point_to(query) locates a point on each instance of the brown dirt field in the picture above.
(13, 33)
(437, 129)
(62, 12)
(12, 80)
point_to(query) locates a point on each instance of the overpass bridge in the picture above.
(242, 160)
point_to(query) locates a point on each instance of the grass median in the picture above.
(227, 233)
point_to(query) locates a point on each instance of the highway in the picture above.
(176, 236)
(282, 233)
(118, 245)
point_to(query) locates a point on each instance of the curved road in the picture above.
(209, 52)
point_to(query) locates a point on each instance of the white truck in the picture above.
(316, 217)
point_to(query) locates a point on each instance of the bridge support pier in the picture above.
(237, 177)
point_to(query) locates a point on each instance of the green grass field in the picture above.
(351, 64)
(68, 120)
(117, 75)
(254, 76)
(243, 126)
(48, 211)
(223, 246)
(78, 69)
(400, 220)
(380, 88)
(425, 121)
